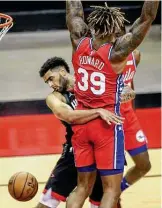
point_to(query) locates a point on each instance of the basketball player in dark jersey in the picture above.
(61, 101)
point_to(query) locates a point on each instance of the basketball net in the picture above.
(6, 22)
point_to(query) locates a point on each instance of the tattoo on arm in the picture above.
(75, 20)
(74, 9)
(130, 41)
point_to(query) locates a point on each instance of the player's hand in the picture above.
(110, 117)
(127, 94)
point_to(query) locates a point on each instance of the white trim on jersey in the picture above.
(134, 60)
(81, 40)
(110, 52)
(90, 42)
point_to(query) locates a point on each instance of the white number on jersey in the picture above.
(96, 83)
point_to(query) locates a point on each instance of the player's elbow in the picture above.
(148, 19)
(71, 120)
(151, 18)
(65, 117)
(71, 117)
(151, 14)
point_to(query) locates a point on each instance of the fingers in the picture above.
(117, 121)
(112, 118)
(108, 122)
(118, 117)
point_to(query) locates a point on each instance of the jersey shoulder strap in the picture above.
(84, 42)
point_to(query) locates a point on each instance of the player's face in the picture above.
(56, 79)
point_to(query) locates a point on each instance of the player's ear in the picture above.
(63, 72)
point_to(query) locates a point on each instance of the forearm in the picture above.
(75, 21)
(77, 116)
(130, 41)
(82, 115)
(143, 23)
(86, 119)
(74, 9)
(149, 10)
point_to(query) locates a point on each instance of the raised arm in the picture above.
(131, 40)
(65, 113)
(75, 21)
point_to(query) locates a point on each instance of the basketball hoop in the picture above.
(6, 22)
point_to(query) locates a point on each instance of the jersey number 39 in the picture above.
(98, 87)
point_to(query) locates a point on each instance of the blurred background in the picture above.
(27, 126)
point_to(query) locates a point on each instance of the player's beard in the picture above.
(63, 84)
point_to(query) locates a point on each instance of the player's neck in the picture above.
(70, 82)
(97, 42)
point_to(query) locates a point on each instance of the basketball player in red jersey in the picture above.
(98, 64)
(135, 140)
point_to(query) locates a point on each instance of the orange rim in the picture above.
(5, 16)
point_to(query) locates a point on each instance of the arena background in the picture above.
(29, 129)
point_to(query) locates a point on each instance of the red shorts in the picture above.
(99, 143)
(135, 140)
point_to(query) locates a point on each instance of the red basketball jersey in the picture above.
(97, 85)
(128, 75)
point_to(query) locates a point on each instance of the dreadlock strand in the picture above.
(120, 21)
(97, 7)
(125, 20)
(106, 5)
(93, 22)
(101, 20)
(108, 29)
(107, 20)
(98, 19)
(92, 15)
(112, 23)
(105, 30)
(117, 25)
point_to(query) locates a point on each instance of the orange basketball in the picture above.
(23, 186)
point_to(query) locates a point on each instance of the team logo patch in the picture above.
(140, 136)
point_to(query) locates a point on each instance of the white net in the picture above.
(6, 28)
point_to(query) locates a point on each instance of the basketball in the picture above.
(23, 186)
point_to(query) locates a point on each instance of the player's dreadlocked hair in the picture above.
(106, 20)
